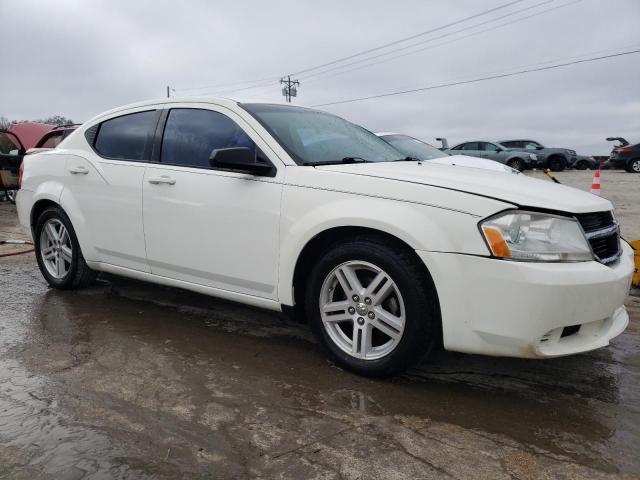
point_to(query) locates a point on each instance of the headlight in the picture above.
(530, 236)
(533, 156)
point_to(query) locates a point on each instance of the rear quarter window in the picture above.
(125, 137)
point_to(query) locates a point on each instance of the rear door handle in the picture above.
(161, 179)
(79, 170)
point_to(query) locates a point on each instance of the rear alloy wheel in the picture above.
(58, 251)
(634, 166)
(372, 306)
(556, 164)
(516, 164)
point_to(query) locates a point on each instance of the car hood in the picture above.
(473, 162)
(516, 189)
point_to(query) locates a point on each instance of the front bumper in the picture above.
(522, 309)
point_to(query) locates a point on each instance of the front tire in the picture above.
(517, 164)
(373, 306)
(58, 251)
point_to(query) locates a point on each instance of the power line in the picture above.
(440, 37)
(396, 42)
(333, 62)
(476, 80)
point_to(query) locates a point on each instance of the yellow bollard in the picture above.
(550, 175)
(636, 274)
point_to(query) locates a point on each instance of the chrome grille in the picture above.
(603, 234)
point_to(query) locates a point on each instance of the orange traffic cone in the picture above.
(595, 184)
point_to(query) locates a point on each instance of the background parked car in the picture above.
(414, 148)
(11, 153)
(624, 155)
(556, 159)
(519, 160)
(584, 162)
(52, 138)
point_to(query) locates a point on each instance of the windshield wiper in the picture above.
(408, 159)
(345, 160)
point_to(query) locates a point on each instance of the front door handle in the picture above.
(161, 179)
(79, 170)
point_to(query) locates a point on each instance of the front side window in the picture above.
(125, 137)
(312, 137)
(190, 135)
(413, 148)
(489, 147)
(531, 145)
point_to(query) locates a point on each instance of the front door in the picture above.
(206, 226)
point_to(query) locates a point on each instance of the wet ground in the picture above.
(128, 380)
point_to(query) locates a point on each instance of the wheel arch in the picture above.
(322, 241)
(40, 206)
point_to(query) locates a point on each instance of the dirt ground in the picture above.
(128, 380)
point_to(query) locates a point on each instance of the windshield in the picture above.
(413, 148)
(314, 137)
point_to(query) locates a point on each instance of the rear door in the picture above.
(104, 188)
(207, 226)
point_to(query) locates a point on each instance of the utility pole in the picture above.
(290, 88)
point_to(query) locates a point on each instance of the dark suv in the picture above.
(624, 155)
(556, 159)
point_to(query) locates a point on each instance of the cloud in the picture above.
(79, 58)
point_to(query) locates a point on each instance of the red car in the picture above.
(20, 140)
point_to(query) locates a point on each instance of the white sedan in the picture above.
(284, 207)
(419, 150)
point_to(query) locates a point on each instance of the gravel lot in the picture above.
(129, 380)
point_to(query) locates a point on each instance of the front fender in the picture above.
(307, 212)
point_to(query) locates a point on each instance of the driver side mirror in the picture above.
(239, 159)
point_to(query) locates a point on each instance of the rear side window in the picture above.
(125, 137)
(470, 146)
(512, 144)
(190, 135)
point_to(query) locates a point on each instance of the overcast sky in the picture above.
(80, 57)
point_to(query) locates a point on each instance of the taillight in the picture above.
(624, 150)
(20, 173)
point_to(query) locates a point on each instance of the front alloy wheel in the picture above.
(634, 165)
(362, 310)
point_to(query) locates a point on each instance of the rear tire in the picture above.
(517, 164)
(58, 251)
(633, 166)
(378, 328)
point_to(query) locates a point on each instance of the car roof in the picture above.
(221, 101)
(384, 134)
